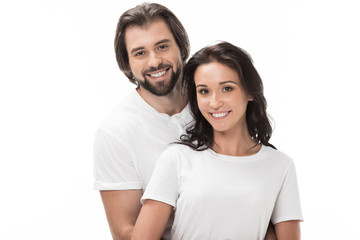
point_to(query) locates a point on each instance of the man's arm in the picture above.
(122, 208)
(288, 230)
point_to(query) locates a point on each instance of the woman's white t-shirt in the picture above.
(225, 197)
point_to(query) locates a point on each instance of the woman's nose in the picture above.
(215, 101)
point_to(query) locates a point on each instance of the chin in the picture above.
(220, 130)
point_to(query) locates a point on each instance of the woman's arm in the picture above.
(152, 220)
(270, 233)
(288, 230)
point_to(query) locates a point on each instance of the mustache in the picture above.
(154, 69)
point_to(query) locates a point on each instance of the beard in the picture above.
(161, 88)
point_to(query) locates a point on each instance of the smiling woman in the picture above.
(222, 79)
(221, 98)
(224, 173)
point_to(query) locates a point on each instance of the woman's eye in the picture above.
(203, 91)
(227, 89)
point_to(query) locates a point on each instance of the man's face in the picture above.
(154, 57)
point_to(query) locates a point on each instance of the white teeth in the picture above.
(218, 115)
(158, 74)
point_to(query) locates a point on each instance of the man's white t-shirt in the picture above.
(225, 197)
(130, 140)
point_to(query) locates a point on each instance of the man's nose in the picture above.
(154, 60)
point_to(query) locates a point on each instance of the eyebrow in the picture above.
(157, 43)
(163, 41)
(229, 81)
(221, 83)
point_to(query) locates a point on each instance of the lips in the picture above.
(220, 115)
(158, 74)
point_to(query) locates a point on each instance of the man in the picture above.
(151, 47)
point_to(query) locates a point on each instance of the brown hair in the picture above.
(200, 134)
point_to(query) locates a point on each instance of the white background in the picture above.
(59, 79)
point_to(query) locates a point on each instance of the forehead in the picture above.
(147, 36)
(215, 72)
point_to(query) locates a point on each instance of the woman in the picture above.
(225, 180)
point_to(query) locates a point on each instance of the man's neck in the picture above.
(172, 103)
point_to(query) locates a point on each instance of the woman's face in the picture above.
(220, 96)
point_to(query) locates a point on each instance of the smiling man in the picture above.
(154, 58)
(151, 46)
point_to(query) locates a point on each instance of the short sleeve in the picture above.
(287, 206)
(163, 185)
(113, 166)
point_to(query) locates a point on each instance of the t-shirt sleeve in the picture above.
(163, 185)
(113, 166)
(287, 206)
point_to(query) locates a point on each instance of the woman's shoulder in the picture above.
(175, 155)
(178, 149)
(179, 154)
(277, 156)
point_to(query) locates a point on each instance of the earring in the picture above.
(132, 76)
(133, 79)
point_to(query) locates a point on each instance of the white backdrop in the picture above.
(59, 79)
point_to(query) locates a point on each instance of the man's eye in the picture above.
(163, 47)
(140, 53)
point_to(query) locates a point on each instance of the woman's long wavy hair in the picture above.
(199, 135)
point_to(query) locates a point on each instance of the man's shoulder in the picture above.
(123, 115)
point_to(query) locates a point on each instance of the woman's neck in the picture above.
(235, 143)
